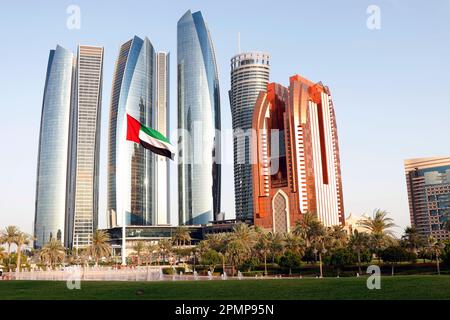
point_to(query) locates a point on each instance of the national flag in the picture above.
(149, 138)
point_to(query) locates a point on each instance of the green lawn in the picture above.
(399, 287)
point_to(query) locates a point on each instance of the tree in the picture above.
(241, 243)
(2, 254)
(182, 236)
(139, 248)
(149, 249)
(263, 247)
(319, 242)
(290, 260)
(210, 258)
(219, 243)
(338, 236)
(341, 257)
(8, 236)
(276, 245)
(165, 248)
(436, 247)
(393, 255)
(412, 240)
(379, 227)
(20, 240)
(294, 243)
(304, 228)
(379, 223)
(52, 252)
(99, 247)
(359, 241)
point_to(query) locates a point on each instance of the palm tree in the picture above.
(276, 245)
(359, 241)
(165, 248)
(304, 227)
(8, 236)
(2, 254)
(139, 248)
(294, 244)
(219, 243)
(338, 236)
(240, 246)
(20, 240)
(149, 249)
(182, 236)
(99, 247)
(436, 247)
(319, 240)
(379, 227)
(263, 247)
(379, 223)
(53, 252)
(412, 239)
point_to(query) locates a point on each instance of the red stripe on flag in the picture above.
(133, 128)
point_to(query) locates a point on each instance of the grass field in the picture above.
(401, 287)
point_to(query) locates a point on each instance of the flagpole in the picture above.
(124, 260)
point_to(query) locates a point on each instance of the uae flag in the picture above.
(149, 138)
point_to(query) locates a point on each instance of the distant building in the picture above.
(428, 183)
(296, 164)
(199, 168)
(352, 224)
(249, 76)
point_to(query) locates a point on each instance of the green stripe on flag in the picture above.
(155, 134)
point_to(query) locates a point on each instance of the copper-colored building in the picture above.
(295, 156)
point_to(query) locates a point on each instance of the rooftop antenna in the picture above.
(239, 42)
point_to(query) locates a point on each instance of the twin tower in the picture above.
(295, 129)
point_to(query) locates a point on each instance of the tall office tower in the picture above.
(162, 125)
(295, 156)
(249, 76)
(428, 183)
(50, 206)
(82, 206)
(199, 174)
(131, 193)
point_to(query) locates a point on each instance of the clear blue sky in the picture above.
(391, 87)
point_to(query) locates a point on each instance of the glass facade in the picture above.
(199, 175)
(249, 76)
(428, 182)
(131, 193)
(82, 206)
(50, 206)
(162, 216)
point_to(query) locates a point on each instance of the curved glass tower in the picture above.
(249, 76)
(50, 210)
(198, 122)
(131, 167)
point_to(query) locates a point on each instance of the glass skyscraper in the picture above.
(162, 216)
(249, 76)
(50, 206)
(199, 174)
(131, 168)
(68, 160)
(428, 183)
(82, 206)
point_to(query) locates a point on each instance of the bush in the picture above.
(170, 271)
